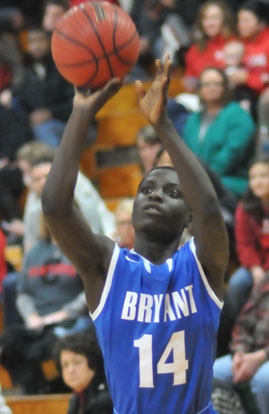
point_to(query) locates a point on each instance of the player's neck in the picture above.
(155, 251)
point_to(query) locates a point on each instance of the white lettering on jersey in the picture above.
(129, 308)
(147, 308)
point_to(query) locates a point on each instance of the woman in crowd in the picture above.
(252, 235)
(80, 362)
(254, 34)
(214, 27)
(221, 133)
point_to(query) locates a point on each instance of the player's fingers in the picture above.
(159, 67)
(140, 90)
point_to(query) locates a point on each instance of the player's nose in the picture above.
(156, 195)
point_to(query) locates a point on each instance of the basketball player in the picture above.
(155, 308)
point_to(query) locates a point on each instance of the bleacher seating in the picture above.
(38, 404)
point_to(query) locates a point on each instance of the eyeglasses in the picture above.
(206, 84)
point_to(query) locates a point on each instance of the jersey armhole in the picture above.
(108, 283)
(210, 291)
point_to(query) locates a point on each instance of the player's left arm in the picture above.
(209, 230)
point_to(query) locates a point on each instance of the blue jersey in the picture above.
(157, 326)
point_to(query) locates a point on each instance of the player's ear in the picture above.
(188, 222)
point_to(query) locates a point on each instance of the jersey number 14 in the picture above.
(178, 367)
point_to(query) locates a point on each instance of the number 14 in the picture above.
(178, 367)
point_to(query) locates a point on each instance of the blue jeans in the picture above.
(11, 316)
(259, 383)
(238, 290)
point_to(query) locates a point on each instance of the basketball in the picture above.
(94, 42)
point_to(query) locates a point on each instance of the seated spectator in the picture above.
(35, 159)
(254, 33)
(44, 95)
(50, 295)
(161, 30)
(80, 362)
(249, 348)
(53, 11)
(233, 54)
(214, 28)
(31, 159)
(221, 133)
(262, 142)
(124, 234)
(14, 132)
(148, 144)
(252, 236)
(11, 59)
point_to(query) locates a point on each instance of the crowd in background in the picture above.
(220, 53)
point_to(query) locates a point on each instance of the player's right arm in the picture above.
(88, 252)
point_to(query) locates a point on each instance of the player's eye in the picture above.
(146, 190)
(174, 193)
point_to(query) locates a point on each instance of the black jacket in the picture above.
(50, 92)
(91, 402)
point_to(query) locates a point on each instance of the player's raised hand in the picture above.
(153, 102)
(93, 101)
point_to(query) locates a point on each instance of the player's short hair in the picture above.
(164, 167)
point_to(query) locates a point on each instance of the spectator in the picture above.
(254, 33)
(252, 236)
(43, 95)
(233, 55)
(160, 27)
(80, 362)
(148, 144)
(50, 295)
(249, 347)
(14, 132)
(35, 159)
(221, 133)
(214, 28)
(124, 235)
(53, 11)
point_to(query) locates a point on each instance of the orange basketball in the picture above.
(94, 42)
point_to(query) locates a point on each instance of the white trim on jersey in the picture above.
(108, 282)
(210, 291)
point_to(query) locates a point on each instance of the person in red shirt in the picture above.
(252, 235)
(254, 33)
(214, 28)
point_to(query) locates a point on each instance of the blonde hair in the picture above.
(228, 24)
(34, 150)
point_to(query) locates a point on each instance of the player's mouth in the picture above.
(153, 210)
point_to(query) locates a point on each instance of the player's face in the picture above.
(159, 208)
(75, 370)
